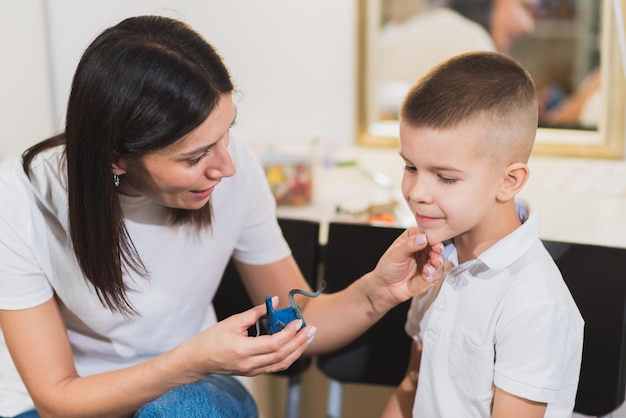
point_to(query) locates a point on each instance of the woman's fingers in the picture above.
(268, 353)
(281, 349)
(272, 353)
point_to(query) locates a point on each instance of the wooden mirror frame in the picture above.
(605, 142)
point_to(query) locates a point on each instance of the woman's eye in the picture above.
(410, 168)
(199, 158)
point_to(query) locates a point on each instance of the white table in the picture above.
(579, 201)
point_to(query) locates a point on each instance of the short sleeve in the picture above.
(417, 310)
(22, 281)
(252, 210)
(531, 364)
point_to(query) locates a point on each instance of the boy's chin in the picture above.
(435, 237)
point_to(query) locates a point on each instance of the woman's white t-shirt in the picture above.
(185, 265)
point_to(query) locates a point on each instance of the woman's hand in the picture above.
(226, 348)
(410, 266)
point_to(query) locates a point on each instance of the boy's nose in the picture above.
(418, 191)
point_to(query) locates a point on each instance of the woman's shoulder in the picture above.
(16, 198)
(247, 162)
(239, 148)
(45, 183)
(49, 163)
(13, 179)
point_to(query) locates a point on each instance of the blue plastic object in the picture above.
(276, 320)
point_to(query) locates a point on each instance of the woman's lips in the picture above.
(203, 194)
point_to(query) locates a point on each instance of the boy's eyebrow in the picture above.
(447, 169)
(436, 168)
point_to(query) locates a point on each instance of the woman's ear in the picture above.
(514, 179)
(118, 166)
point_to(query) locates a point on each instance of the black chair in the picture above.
(380, 356)
(596, 277)
(231, 297)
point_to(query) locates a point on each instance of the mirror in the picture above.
(583, 40)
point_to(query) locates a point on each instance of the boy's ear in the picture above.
(515, 177)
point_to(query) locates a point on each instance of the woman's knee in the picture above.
(28, 414)
(215, 396)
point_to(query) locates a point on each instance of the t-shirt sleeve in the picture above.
(260, 240)
(417, 311)
(22, 281)
(531, 364)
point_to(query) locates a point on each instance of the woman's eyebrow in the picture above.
(205, 148)
(198, 150)
(234, 117)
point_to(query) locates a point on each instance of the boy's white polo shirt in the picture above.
(505, 319)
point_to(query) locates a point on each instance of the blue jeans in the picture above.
(215, 396)
(29, 414)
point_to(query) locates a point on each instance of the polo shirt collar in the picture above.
(502, 254)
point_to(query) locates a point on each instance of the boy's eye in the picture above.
(447, 180)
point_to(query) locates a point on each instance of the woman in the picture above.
(114, 236)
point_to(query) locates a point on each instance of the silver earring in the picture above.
(116, 180)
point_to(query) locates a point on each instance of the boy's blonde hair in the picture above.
(489, 90)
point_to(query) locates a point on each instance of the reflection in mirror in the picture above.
(558, 41)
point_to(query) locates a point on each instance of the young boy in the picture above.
(501, 336)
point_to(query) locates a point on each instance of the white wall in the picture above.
(25, 96)
(293, 60)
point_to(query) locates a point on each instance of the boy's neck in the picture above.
(502, 221)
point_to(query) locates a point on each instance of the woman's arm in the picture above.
(400, 404)
(342, 316)
(38, 343)
(569, 111)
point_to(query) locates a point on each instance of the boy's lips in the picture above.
(422, 219)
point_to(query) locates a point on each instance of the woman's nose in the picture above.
(222, 165)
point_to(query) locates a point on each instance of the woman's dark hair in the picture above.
(140, 86)
(477, 10)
